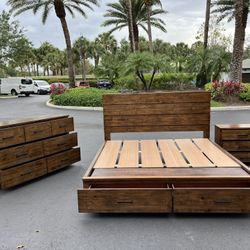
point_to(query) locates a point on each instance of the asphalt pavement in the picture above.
(42, 214)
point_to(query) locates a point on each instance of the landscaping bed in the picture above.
(89, 97)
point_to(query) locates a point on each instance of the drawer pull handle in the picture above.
(9, 137)
(125, 202)
(37, 131)
(21, 155)
(223, 201)
(28, 173)
(242, 136)
(62, 126)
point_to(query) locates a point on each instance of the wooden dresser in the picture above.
(33, 147)
(235, 138)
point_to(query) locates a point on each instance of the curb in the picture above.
(8, 97)
(231, 108)
(73, 107)
(213, 109)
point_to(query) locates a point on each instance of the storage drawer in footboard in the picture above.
(125, 200)
(62, 126)
(211, 200)
(63, 159)
(17, 175)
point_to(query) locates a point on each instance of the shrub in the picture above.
(245, 95)
(57, 88)
(220, 91)
(89, 97)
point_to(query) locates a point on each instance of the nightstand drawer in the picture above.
(236, 145)
(243, 134)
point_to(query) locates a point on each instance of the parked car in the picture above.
(82, 84)
(103, 84)
(16, 86)
(41, 87)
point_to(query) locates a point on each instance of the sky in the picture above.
(183, 20)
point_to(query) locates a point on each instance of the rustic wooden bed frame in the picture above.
(213, 188)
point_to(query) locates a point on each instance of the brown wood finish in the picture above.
(192, 112)
(235, 139)
(63, 159)
(11, 136)
(62, 126)
(59, 143)
(25, 143)
(20, 154)
(148, 200)
(38, 131)
(23, 173)
(216, 200)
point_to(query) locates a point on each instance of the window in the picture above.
(26, 81)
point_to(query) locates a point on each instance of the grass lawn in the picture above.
(215, 104)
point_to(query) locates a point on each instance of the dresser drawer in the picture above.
(211, 200)
(125, 200)
(17, 175)
(37, 131)
(62, 126)
(236, 145)
(59, 143)
(63, 159)
(240, 134)
(11, 136)
(20, 154)
(242, 156)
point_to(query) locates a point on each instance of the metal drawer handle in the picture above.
(21, 155)
(28, 173)
(223, 201)
(125, 202)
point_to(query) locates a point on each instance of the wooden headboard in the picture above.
(157, 111)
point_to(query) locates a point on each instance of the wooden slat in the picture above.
(193, 154)
(171, 154)
(109, 155)
(129, 156)
(215, 154)
(150, 155)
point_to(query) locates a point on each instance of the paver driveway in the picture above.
(43, 214)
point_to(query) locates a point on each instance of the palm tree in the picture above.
(149, 4)
(130, 24)
(82, 47)
(118, 17)
(239, 10)
(207, 18)
(60, 7)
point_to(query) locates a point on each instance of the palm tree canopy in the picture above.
(118, 15)
(60, 6)
(226, 8)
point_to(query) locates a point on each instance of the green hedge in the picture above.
(163, 81)
(90, 97)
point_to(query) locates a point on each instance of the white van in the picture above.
(41, 87)
(16, 85)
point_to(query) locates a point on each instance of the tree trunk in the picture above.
(130, 25)
(149, 10)
(84, 68)
(37, 70)
(206, 28)
(239, 39)
(136, 36)
(71, 71)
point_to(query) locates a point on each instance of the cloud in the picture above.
(183, 20)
